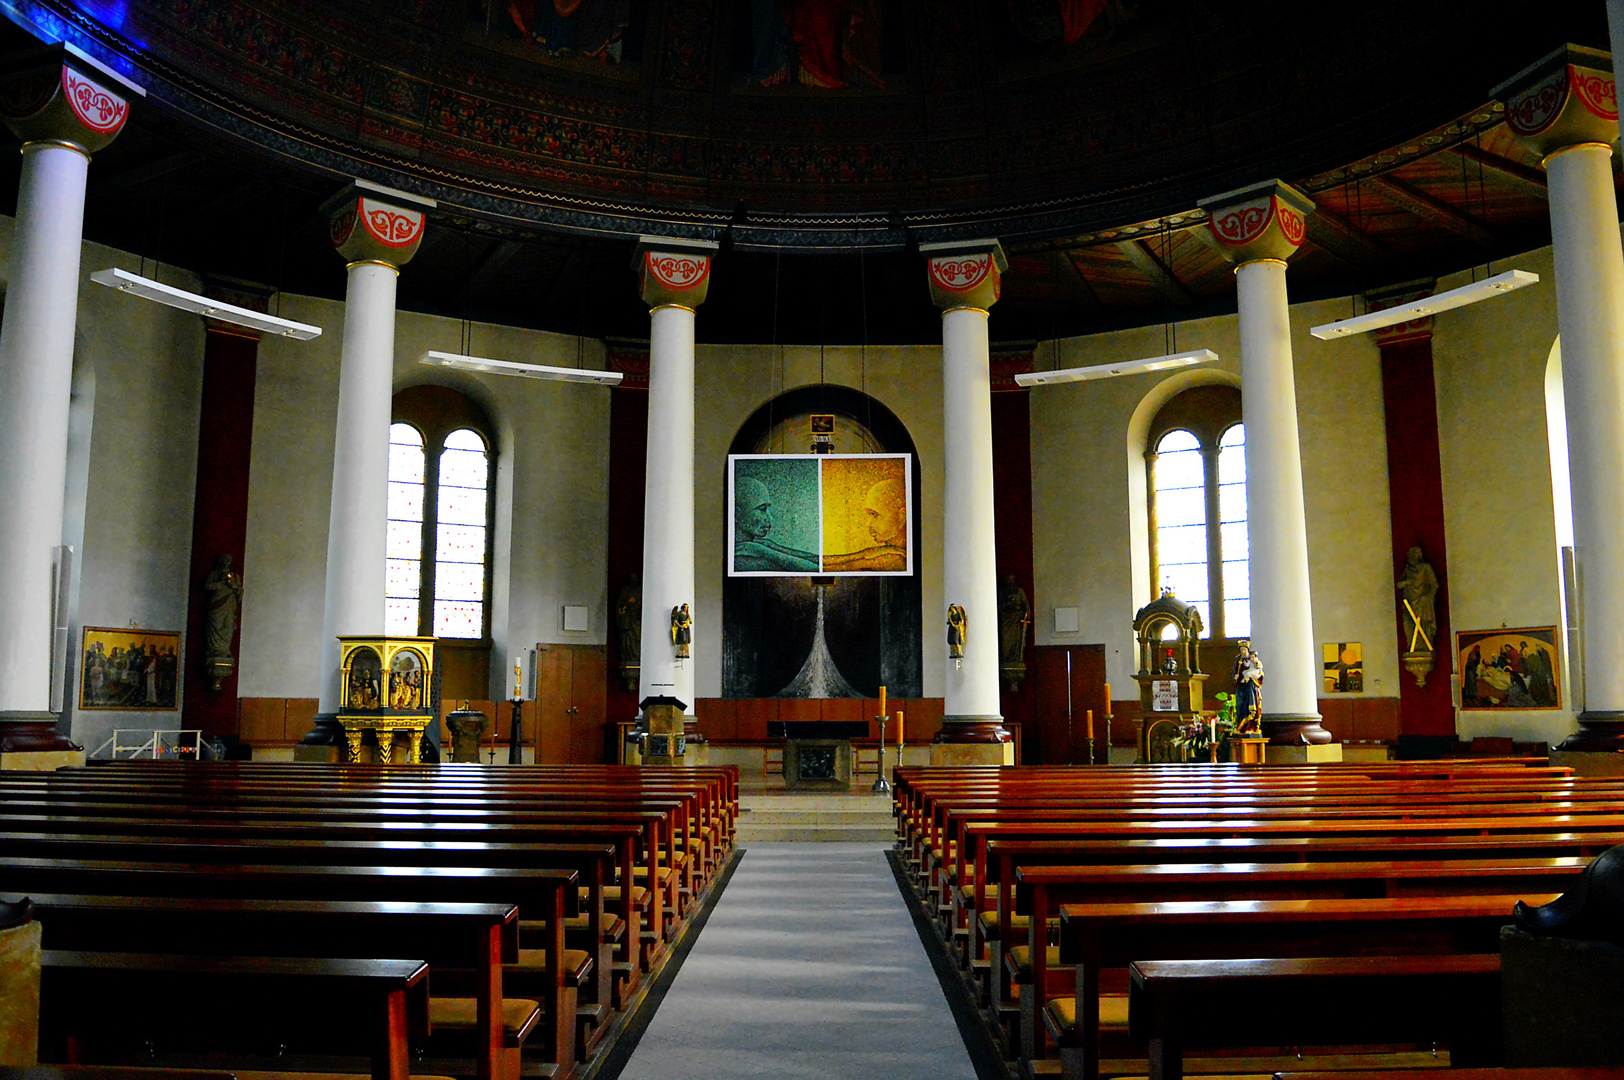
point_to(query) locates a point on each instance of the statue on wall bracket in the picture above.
(629, 625)
(957, 630)
(1418, 593)
(224, 590)
(682, 630)
(1014, 616)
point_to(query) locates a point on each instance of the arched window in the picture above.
(438, 576)
(1196, 486)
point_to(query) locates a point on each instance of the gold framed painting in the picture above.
(1344, 667)
(130, 670)
(1509, 669)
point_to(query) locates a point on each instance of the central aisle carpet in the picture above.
(809, 966)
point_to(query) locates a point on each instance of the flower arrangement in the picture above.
(1202, 734)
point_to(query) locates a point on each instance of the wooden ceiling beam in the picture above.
(1333, 235)
(102, 186)
(1078, 290)
(1415, 201)
(1530, 176)
(1160, 275)
(493, 263)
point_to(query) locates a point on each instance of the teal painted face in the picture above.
(752, 509)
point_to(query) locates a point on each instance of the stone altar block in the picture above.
(817, 753)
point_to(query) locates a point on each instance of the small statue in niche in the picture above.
(682, 630)
(224, 590)
(957, 630)
(629, 624)
(1014, 616)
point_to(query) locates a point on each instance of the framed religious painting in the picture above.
(1509, 669)
(130, 670)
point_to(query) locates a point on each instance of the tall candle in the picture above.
(1068, 685)
(882, 701)
(1091, 725)
(518, 677)
(899, 727)
(1107, 700)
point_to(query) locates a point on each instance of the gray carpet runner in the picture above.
(809, 966)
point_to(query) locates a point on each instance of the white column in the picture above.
(668, 506)
(36, 372)
(1282, 615)
(1590, 317)
(969, 568)
(358, 526)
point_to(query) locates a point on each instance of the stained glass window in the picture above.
(1232, 540)
(459, 550)
(403, 573)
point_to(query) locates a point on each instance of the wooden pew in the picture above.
(1179, 1005)
(543, 892)
(1099, 937)
(145, 991)
(477, 938)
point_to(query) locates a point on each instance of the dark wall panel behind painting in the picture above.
(871, 625)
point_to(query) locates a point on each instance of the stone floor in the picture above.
(809, 967)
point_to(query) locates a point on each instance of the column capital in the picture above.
(1407, 292)
(58, 94)
(1564, 99)
(1260, 221)
(965, 273)
(672, 270)
(371, 223)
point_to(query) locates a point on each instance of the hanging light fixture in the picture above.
(1106, 371)
(434, 358)
(158, 292)
(1498, 285)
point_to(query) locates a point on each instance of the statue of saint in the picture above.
(1014, 616)
(682, 630)
(225, 594)
(957, 628)
(629, 620)
(1248, 691)
(1419, 585)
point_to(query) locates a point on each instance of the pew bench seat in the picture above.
(1175, 1005)
(234, 1001)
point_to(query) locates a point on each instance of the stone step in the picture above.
(826, 834)
(816, 818)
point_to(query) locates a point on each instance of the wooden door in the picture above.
(1061, 740)
(570, 703)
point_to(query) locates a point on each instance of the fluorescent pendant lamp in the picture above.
(126, 282)
(524, 371)
(1106, 371)
(1420, 309)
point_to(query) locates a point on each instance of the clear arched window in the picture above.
(1181, 519)
(1196, 486)
(440, 505)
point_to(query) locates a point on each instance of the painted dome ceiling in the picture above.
(811, 124)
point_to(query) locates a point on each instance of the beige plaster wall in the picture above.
(132, 461)
(730, 383)
(1490, 361)
(551, 484)
(1088, 486)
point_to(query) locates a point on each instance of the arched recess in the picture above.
(872, 624)
(1138, 441)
